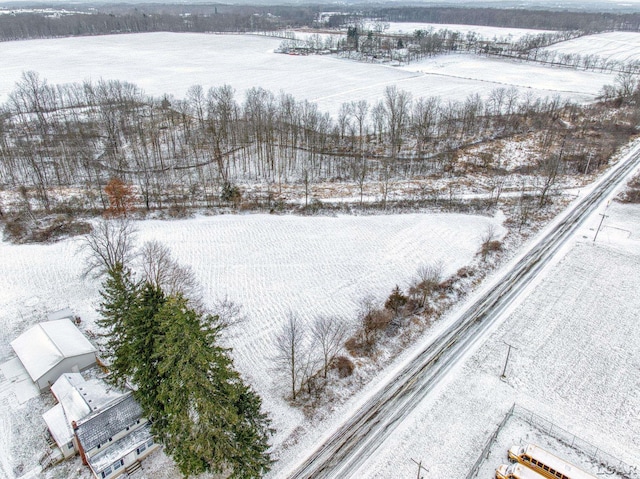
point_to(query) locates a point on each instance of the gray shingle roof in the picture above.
(99, 427)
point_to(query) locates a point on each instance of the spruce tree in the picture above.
(200, 409)
(119, 297)
(144, 331)
(211, 420)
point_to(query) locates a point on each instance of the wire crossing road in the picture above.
(350, 446)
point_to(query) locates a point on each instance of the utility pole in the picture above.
(420, 468)
(503, 376)
(598, 230)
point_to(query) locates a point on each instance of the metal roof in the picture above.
(45, 345)
(106, 423)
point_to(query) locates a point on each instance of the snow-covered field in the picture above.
(170, 63)
(539, 80)
(618, 46)
(271, 265)
(488, 33)
(575, 362)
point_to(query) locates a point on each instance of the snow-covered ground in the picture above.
(575, 361)
(488, 33)
(271, 265)
(539, 80)
(169, 63)
(618, 46)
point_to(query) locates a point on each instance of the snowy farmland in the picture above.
(170, 63)
(619, 46)
(488, 33)
(271, 265)
(575, 363)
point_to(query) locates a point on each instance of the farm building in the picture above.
(102, 424)
(49, 349)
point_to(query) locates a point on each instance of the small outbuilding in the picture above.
(52, 348)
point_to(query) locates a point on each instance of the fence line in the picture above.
(607, 463)
(487, 447)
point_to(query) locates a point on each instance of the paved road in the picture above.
(350, 446)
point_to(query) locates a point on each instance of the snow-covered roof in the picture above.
(106, 423)
(77, 398)
(46, 344)
(59, 428)
(120, 448)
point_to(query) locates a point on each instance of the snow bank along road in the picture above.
(346, 450)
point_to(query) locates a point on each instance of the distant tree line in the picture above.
(364, 42)
(514, 18)
(20, 26)
(124, 18)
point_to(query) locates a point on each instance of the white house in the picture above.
(102, 424)
(52, 348)
(114, 439)
(77, 398)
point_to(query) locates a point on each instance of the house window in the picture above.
(141, 449)
(150, 442)
(70, 445)
(106, 472)
(118, 464)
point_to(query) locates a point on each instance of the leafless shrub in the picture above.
(466, 272)
(343, 365)
(378, 320)
(428, 278)
(489, 242)
(352, 345)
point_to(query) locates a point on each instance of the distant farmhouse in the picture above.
(103, 425)
(52, 348)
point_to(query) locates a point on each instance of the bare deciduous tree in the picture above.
(229, 313)
(160, 269)
(110, 243)
(290, 352)
(329, 334)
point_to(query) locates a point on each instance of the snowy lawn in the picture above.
(169, 63)
(576, 363)
(271, 265)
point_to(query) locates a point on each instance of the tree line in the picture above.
(551, 19)
(199, 150)
(122, 18)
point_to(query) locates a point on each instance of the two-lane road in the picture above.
(350, 445)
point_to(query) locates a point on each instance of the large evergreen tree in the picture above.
(119, 297)
(212, 421)
(200, 410)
